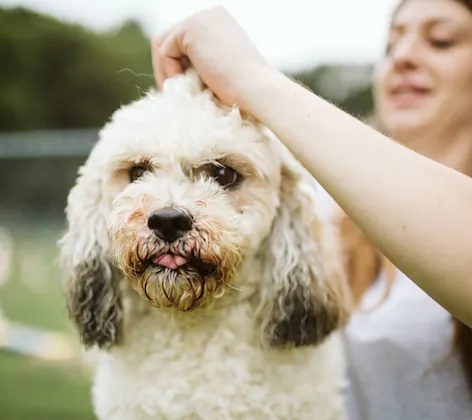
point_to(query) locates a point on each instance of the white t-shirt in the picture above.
(400, 363)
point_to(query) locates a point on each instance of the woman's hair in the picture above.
(466, 3)
(363, 262)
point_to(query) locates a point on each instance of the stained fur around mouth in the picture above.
(202, 279)
(185, 288)
(147, 252)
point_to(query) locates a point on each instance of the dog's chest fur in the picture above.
(213, 368)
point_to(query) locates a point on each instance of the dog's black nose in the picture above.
(169, 224)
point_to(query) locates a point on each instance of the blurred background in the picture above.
(65, 66)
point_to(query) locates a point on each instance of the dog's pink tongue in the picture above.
(171, 261)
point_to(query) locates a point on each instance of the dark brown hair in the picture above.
(466, 3)
(363, 263)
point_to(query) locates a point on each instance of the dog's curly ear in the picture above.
(92, 292)
(307, 297)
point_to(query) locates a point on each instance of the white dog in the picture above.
(198, 267)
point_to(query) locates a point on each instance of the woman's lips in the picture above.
(408, 96)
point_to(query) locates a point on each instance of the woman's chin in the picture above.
(407, 124)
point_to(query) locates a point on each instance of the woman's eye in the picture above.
(225, 176)
(136, 172)
(441, 43)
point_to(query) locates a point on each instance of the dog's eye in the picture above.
(136, 172)
(225, 176)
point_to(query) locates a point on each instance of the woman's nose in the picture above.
(406, 54)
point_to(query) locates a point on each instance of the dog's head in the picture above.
(176, 195)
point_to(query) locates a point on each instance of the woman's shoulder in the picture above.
(407, 315)
(401, 363)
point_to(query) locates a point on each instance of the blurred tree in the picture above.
(59, 75)
(352, 94)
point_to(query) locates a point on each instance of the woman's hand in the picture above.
(219, 50)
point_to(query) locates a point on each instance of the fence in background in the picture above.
(47, 144)
(38, 169)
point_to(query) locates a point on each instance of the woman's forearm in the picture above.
(416, 211)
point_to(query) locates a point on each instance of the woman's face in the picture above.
(425, 78)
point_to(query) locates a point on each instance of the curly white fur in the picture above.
(254, 339)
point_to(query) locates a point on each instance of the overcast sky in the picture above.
(290, 33)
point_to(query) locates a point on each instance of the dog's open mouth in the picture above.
(174, 262)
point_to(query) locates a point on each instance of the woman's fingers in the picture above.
(167, 55)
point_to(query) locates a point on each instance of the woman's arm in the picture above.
(416, 211)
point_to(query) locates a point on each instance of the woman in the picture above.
(419, 224)
(403, 360)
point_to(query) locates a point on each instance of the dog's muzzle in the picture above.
(175, 261)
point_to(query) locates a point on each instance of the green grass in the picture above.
(29, 388)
